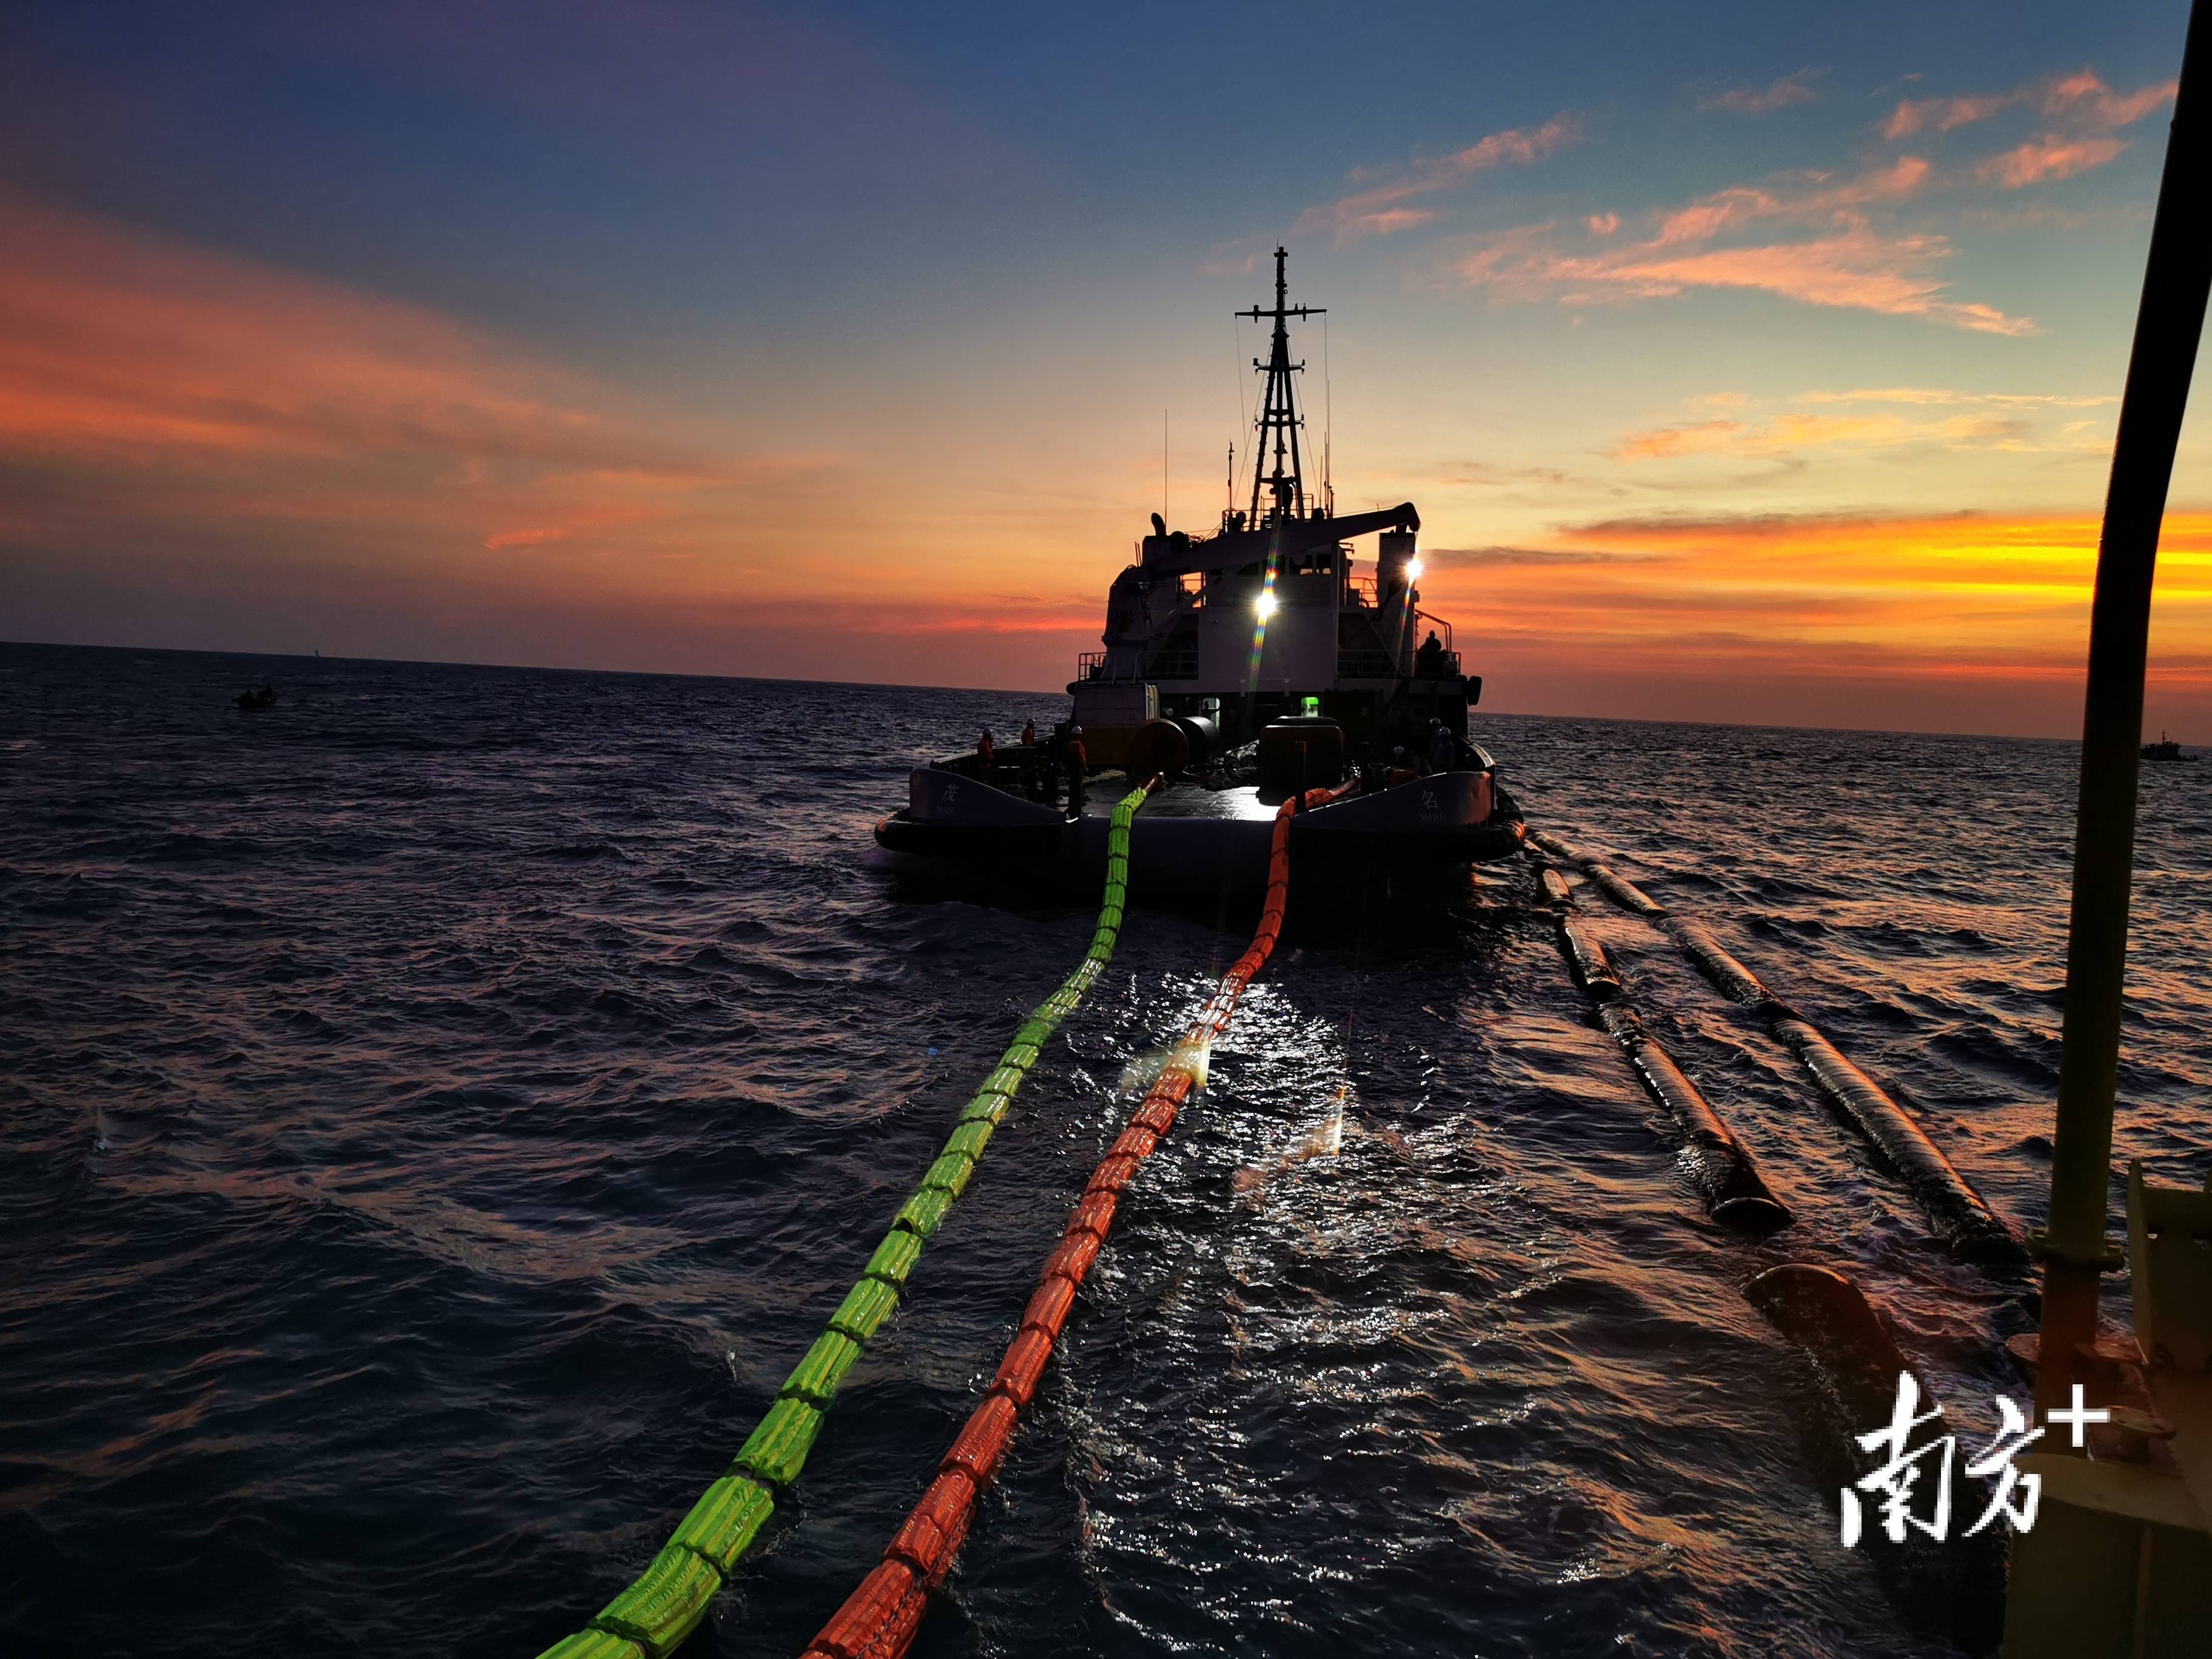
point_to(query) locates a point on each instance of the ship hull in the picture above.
(1191, 841)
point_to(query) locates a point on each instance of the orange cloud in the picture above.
(144, 379)
(505, 538)
(1942, 395)
(2047, 158)
(1374, 211)
(1789, 434)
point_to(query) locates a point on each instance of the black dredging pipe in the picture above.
(1551, 844)
(1826, 1315)
(1946, 1589)
(1593, 969)
(1730, 977)
(1962, 1219)
(1735, 1194)
(1621, 890)
(1717, 1162)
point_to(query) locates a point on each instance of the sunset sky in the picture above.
(1747, 362)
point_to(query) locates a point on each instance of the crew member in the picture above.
(983, 749)
(1077, 763)
(1443, 748)
(1430, 660)
(1029, 734)
(1402, 769)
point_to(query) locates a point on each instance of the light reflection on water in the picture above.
(444, 1109)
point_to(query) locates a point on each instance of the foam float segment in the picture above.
(1718, 1164)
(1554, 846)
(1622, 891)
(1962, 1219)
(1555, 890)
(1730, 977)
(1829, 1318)
(1592, 967)
(1950, 1588)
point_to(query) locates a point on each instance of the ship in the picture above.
(1262, 660)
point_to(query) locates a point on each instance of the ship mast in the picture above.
(1278, 412)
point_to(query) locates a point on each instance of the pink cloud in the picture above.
(2086, 92)
(1851, 269)
(1375, 211)
(1805, 199)
(1763, 101)
(1943, 114)
(2082, 100)
(1603, 224)
(2048, 158)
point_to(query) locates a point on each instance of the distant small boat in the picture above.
(264, 698)
(2165, 750)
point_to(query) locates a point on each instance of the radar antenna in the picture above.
(1279, 412)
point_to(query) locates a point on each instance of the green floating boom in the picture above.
(650, 1620)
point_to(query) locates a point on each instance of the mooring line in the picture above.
(1718, 1163)
(878, 1620)
(1962, 1219)
(666, 1602)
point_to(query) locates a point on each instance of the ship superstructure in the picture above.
(1244, 625)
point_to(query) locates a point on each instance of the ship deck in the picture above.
(1242, 803)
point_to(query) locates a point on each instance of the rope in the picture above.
(879, 1619)
(666, 1602)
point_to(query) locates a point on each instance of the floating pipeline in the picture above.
(1621, 890)
(1829, 1317)
(1593, 969)
(1719, 1165)
(1947, 1589)
(881, 1619)
(1551, 844)
(1962, 1219)
(1555, 889)
(1614, 886)
(668, 1600)
(1730, 977)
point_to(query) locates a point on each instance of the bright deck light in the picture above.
(1265, 604)
(1412, 570)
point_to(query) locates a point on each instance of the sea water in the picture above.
(439, 1110)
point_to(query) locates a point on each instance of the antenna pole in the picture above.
(1279, 412)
